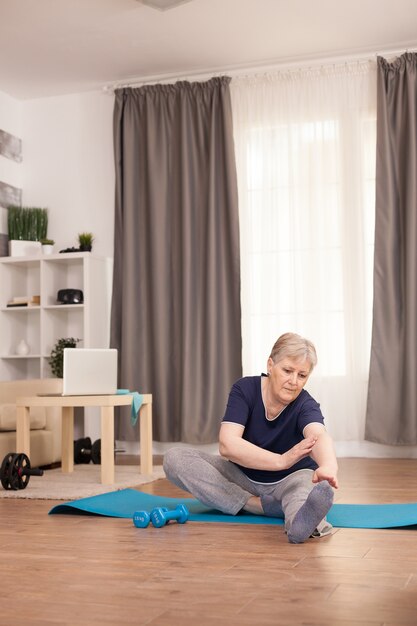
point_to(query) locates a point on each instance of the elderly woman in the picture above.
(276, 458)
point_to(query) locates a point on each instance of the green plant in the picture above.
(85, 240)
(27, 223)
(56, 360)
(47, 242)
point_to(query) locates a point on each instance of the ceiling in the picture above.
(54, 47)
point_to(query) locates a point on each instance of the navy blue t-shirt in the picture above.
(245, 406)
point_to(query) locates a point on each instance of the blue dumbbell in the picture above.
(141, 519)
(160, 516)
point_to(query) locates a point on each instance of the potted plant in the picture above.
(56, 360)
(86, 241)
(47, 245)
(26, 227)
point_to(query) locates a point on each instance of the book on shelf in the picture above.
(17, 304)
(20, 299)
(17, 301)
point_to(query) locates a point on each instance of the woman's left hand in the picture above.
(326, 473)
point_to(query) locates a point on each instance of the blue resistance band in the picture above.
(137, 401)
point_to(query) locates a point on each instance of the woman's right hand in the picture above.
(298, 452)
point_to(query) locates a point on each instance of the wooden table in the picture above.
(106, 404)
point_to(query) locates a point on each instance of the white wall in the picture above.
(69, 167)
(10, 114)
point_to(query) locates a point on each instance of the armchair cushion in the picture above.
(8, 417)
(45, 433)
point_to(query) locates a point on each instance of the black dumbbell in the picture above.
(160, 517)
(15, 471)
(141, 519)
(85, 451)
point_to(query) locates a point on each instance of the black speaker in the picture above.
(70, 296)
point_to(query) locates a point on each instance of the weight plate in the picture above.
(82, 450)
(96, 452)
(17, 478)
(4, 471)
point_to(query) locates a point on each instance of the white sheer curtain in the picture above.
(305, 150)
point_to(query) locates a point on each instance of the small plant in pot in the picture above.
(56, 360)
(86, 241)
(47, 245)
(26, 227)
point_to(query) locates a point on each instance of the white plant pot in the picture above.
(18, 247)
(47, 249)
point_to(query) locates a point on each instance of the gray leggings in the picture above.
(220, 484)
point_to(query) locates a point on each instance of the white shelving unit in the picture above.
(41, 326)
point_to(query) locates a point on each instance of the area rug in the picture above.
(83, 482)
(124, 504)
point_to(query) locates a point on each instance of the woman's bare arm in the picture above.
(233, 447)
(323, 454)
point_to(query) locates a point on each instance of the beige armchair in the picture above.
(45, 423)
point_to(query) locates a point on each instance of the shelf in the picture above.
(41, 326)
(25, 261)
(19, 309)
(63, 307)
(20, 356)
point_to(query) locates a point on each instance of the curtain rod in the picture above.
(253, 69)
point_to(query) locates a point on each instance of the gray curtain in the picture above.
(392, 396)
(176, 284)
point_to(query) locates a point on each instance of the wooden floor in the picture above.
(79, 570)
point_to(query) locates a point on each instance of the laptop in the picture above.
(89, 372)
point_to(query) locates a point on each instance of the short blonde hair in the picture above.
(294, 346)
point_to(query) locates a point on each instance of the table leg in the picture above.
(145, 434)
(67, 445)
(23, 430)
(107, 445)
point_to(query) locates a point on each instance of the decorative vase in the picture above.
(22, 348)
(20, 247)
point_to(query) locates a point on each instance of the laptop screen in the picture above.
(90, 371)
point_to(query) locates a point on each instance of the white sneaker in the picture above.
(323, 529)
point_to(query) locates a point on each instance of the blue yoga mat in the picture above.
(125, 502)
